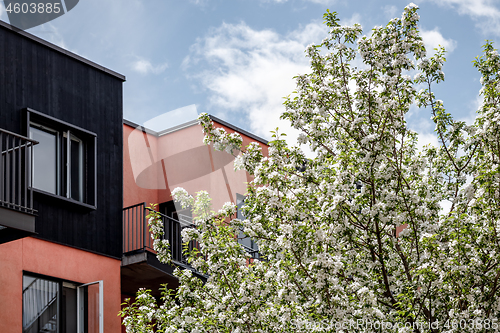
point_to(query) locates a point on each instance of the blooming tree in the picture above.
(354, 239)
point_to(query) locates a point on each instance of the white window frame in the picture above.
(80, 306)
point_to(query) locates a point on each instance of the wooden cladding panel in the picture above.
(33, 75)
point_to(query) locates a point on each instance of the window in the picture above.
(64, 159)
(249, 244)
(51, 305)
(45, 159)
(180, 219)
(184, 216)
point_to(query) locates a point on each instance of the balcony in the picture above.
(140, 267)
(17, 215)
(136, 236)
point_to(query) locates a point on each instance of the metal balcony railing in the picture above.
(16, 163)
(254, 253)
(136, 235)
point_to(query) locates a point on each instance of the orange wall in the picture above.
(246, 139)
(54, 260)
(138, 152)
(154, 166)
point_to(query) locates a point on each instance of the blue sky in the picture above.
(236, 58)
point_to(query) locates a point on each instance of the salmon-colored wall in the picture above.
(154, 166)
(140, 152)
(58, 261)
(246, 139)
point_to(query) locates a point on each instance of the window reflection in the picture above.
(59, 165)
(45, 159)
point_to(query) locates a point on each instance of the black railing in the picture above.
(136, 235)
(172, 231)
(254, 254)
(16, 162)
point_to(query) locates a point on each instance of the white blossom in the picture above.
(358, 232)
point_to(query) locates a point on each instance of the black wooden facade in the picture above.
(36, 75)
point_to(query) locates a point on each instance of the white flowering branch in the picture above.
(356, 235)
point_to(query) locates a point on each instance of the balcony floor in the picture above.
(15, 225)
(144, 270)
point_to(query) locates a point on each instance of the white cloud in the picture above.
(199, 2)
(445, 206)
(143, 66)
(427, 138)
(434, 39)
(321, 2)
(250, 71)
(355, 18)
(418, 120)
(475, 8)
(473, 107)
(390, 11)
(484, 12)
(425, 130)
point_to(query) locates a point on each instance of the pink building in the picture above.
(155, 163)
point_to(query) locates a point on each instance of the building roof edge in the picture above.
(70, 54)
(195, 122)
(239, 130)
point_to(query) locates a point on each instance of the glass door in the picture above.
(90, 308)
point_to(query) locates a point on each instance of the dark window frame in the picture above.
(240, 201)
(62, 316)
(89, 144)
(61, 320)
